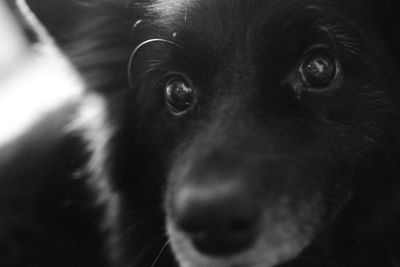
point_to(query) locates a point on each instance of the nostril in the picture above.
(240, 225)
(199, 228)
(219, 220)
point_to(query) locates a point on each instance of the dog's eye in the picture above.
(319, 69)
(179, 95)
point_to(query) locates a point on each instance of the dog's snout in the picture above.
(219, 219)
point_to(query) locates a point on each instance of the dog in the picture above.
(242, 133)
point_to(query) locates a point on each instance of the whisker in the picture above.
(159, 254)
(147, 248)
(136, 224)
(148, 208)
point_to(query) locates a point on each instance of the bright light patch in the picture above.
(13, 41)
(33, 80)
(42, 83)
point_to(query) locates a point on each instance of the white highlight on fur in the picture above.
(97, 131)
(171, 7)
(41, 80)
(92, 123)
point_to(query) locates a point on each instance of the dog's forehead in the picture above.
(170, 7)
(234, 9)
(216, 24)
(227, 19)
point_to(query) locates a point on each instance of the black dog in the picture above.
(258, 133)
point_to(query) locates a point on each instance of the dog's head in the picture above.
(265, 120)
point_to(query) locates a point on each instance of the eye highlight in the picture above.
(319, 69)
(179, 95)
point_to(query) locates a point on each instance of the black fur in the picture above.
(320, 166)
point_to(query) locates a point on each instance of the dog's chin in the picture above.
(282, 244)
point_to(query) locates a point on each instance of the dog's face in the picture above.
(261, 117)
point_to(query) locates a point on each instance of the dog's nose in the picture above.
(219, 219)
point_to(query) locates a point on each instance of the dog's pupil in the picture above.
(319, 70)
(179, 95)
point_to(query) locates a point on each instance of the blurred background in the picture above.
(35, 76)
(39, 94)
